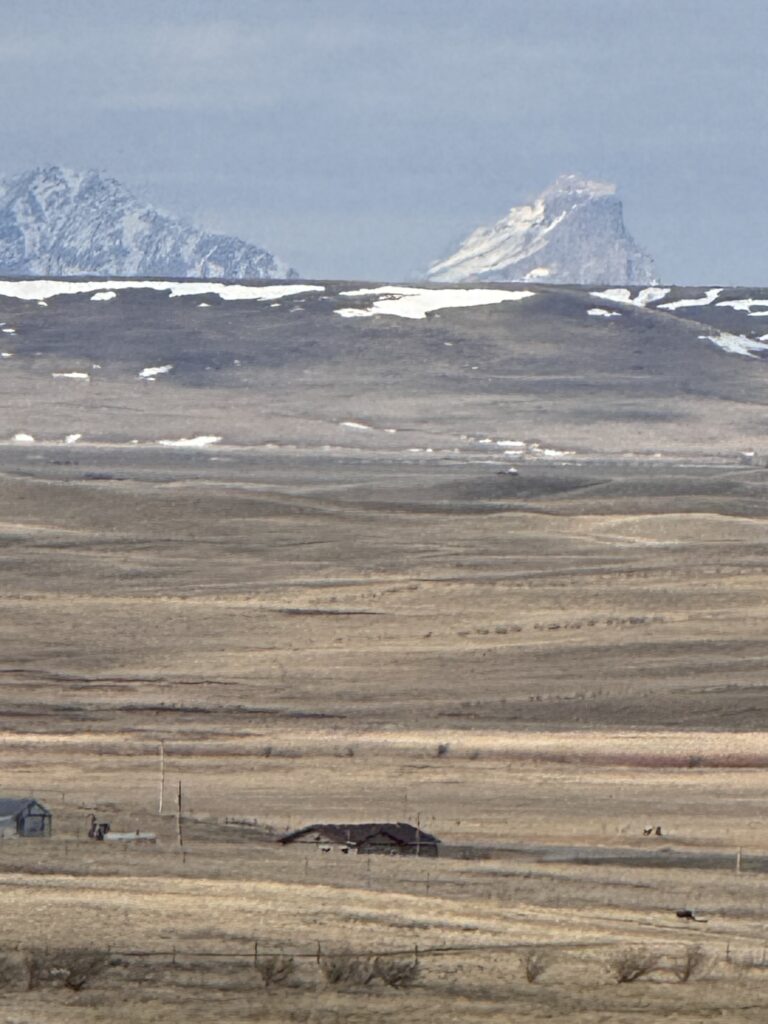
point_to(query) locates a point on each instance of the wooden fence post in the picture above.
(161, 780)
(179, 835)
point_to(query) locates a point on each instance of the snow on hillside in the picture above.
(415, 303)
(573, 233)
(39, 291)
(62, 222)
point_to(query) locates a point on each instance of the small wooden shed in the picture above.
(369, 837)
(23, 816)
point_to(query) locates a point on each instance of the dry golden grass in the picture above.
(536, 686)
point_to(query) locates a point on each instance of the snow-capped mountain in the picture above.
(55, 221)
(572, 234)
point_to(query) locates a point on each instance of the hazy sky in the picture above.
(364, 138)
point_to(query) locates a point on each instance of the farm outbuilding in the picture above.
(370, 837)
(23, 816)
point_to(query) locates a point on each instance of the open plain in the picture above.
(349, 609)
(537, 666)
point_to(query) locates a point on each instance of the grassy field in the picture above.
(537, 674)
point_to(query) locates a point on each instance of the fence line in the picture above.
(320, 953)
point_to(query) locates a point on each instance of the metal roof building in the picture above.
(23, 816)
(368, 837)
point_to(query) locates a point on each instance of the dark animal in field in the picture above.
(652, 830)
(690, 915)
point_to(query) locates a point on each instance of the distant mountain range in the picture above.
(59, 222)
(573, 233)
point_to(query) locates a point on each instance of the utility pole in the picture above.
(418, 834)
(161, 780)
(178, 817)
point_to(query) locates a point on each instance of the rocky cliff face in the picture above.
(59, 222)
(573, 233)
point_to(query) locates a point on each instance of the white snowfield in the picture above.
(746, 306)
(354, 425)
(737, 344)
(596, 311)
(643, 298)
(153, 371)
(72, 438)
(22, 438)
(202, 441)
(706, 300)
(104, 296)
(74, 375)
(415, 303)
(34, 291)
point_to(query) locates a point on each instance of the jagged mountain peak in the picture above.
(572, 233)
(63, 222)
(575, 184)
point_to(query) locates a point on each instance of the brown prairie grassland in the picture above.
(537, 680)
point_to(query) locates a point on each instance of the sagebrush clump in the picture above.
(630, 963)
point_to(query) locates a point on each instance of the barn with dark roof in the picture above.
(368, 837)
(23, 816)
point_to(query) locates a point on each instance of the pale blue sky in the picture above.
(363, 138)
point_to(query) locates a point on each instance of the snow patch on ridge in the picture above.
(415, 303)
(736, 344)
(745, 306)
(73, 375)
(150, 372)
(202, 441)
(705, 300)
(595, 311)
(34, 291)
(643, 298)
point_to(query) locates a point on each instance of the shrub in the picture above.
(345, 968)
(534, 962)
(73, 968)
(9, 970)
(442, 749)
(693, 961)
(630, 963)
(274, 970)
(396, 973)
(36, 967)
